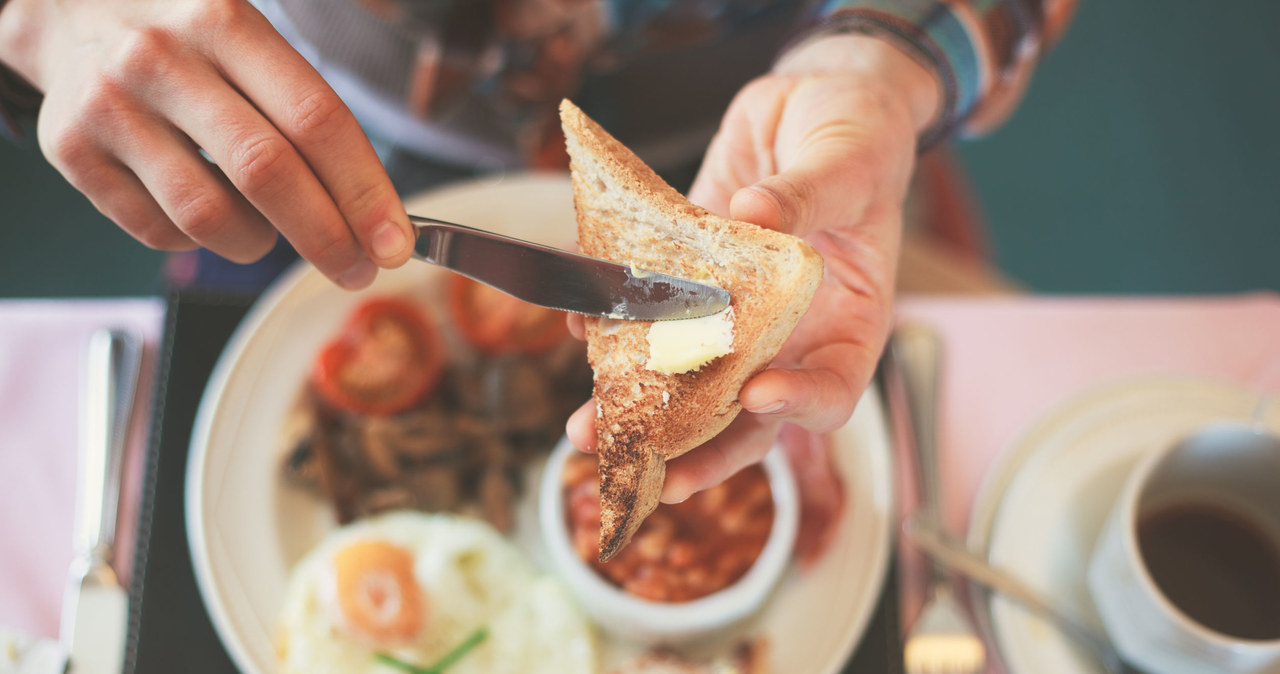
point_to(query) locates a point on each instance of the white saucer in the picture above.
(1042, 504)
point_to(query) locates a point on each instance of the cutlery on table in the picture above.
(95, 606)
(955, 556)
(942, 639)
(558, 279)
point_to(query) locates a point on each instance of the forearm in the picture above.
(981, 53)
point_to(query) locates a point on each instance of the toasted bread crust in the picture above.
(627, 214)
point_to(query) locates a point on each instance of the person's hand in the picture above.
(134, 90)
(822, 148)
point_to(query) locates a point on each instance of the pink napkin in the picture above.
(42, 347)
(1009, 361)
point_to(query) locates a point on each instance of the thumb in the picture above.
(825, 186)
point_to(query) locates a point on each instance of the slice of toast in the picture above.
(627, 214)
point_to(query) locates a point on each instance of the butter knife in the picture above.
(95, 606)
(562, 280)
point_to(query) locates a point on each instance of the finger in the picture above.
(580, 429)
(298, 102)
(743, 443)
(829, 369)
(115, 191)
(713, 187)
(265, 167)
(577, 325)
(162, 74)
(125, 200)
(741, 152)
(826, 187)
(839, 149)
(191, 192)
(821, 395)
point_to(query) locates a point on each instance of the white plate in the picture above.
(1041, 507)
(247, 527)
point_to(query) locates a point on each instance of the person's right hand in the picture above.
(134, 90)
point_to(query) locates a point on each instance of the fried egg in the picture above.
(414, 586)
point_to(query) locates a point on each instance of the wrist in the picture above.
(918, 86)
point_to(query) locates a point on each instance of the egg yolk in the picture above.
(376, 591)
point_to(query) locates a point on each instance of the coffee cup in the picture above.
(1186, 572)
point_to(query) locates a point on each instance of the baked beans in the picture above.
(682, 551)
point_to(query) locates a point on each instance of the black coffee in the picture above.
(1216, 565)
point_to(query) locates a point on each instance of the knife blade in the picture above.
(95, 606)
(559, 279)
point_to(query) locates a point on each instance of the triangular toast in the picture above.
(627, 214)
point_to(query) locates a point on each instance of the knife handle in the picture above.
(113, 364)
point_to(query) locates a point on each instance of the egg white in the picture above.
(472, 577)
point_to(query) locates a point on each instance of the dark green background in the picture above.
(1143, 160)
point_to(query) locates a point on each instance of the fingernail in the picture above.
(387, 241)
(360, 274)
(672, 496)
(772, 407)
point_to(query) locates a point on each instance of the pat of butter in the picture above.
(684, 345)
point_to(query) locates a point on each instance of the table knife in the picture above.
(95, 606)
(562, 280)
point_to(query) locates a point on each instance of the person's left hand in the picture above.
(822, 148)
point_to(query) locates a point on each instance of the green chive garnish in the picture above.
(477, 637)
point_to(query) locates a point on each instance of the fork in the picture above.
(953, 554)
(942, 639)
